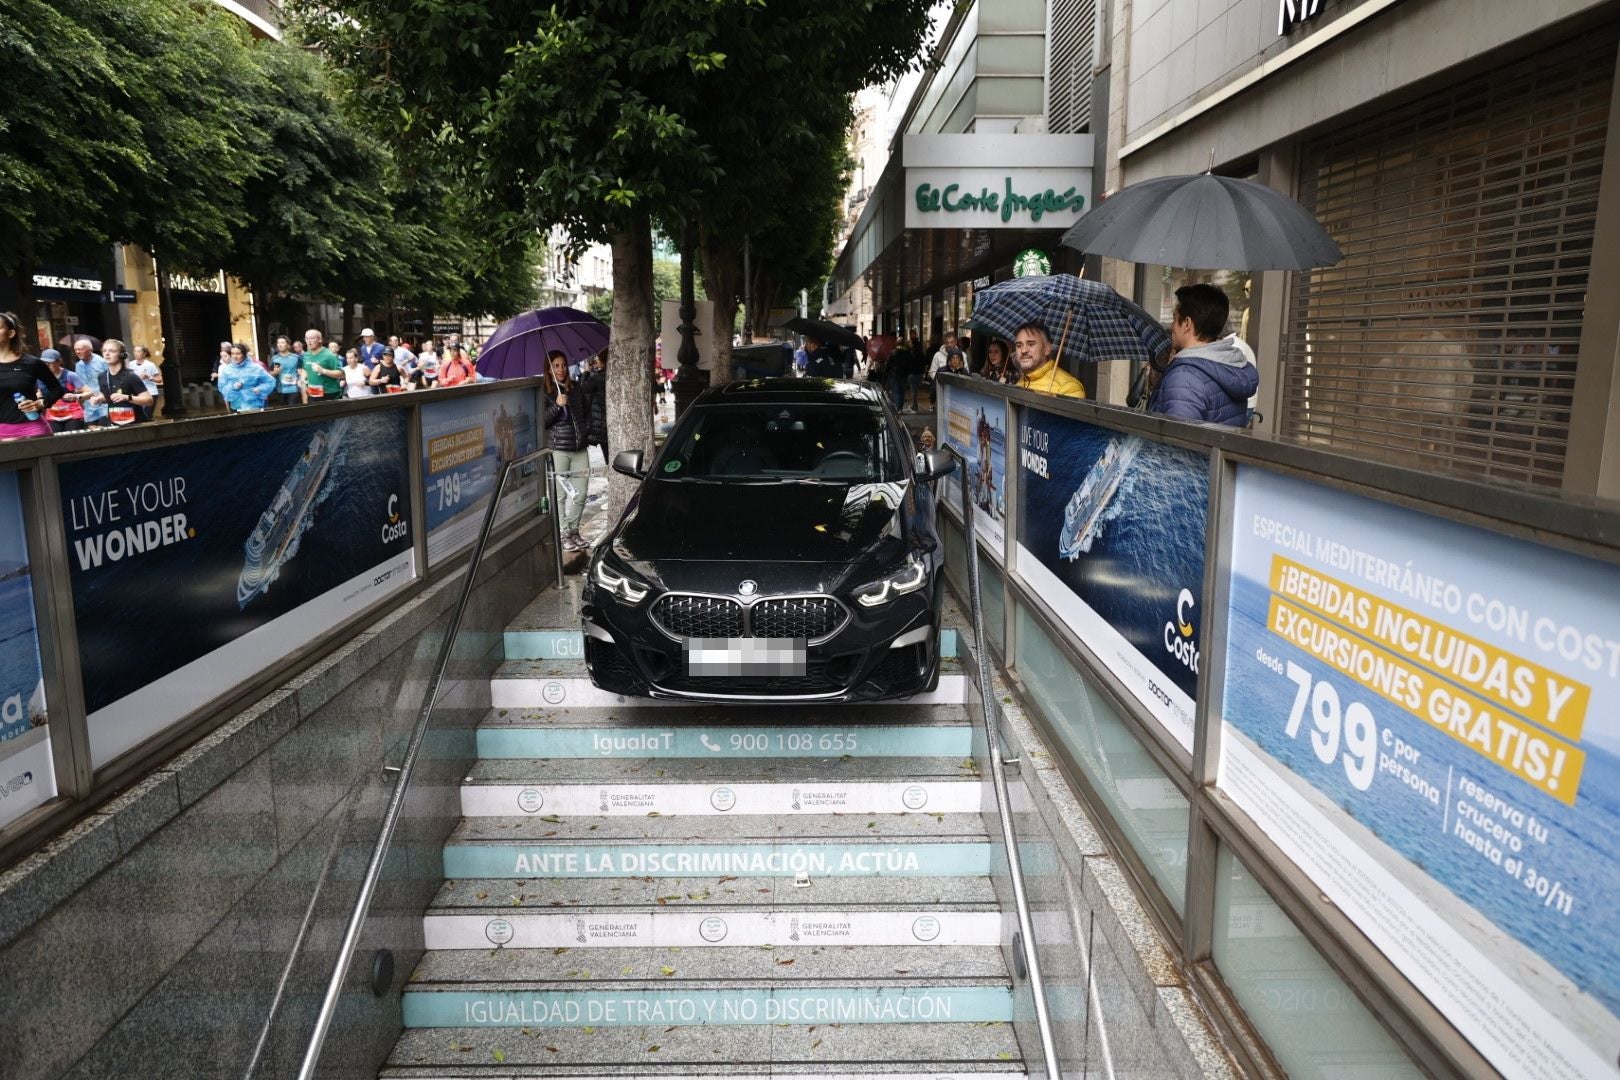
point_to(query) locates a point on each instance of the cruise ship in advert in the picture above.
(275, 537)
(1085, 510)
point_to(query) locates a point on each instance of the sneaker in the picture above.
(572, 541)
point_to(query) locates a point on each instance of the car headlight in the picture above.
(621, 586)
(908, 579)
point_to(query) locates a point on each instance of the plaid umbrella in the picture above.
(520, 346)
(1085, 319)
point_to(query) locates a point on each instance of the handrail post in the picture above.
(548, 468)
(998, 781)
(396, 800)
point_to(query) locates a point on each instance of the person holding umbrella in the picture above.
(1211, 378)
(1038, 362)
(820, 361)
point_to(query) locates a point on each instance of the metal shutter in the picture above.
(1073, 38)
(1447, 337)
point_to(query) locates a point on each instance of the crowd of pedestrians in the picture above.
(51, 393)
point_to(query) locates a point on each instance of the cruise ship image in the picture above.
(1084, 512)
(275, 537)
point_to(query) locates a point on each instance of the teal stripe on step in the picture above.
(570, 644)
(969, 859)
(781, 1005)
(725, 741)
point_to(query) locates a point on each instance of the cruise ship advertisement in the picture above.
(465, 441)
(27, 777)
(976, 425)
(1111, 536)
(194, 566)
(1425, 717)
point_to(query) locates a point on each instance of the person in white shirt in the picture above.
(150, 374)
(356, 376)
(943, 356)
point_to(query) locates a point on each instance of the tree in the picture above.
(114, 131)
(600, 115)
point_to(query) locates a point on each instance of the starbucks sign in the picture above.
(996, 181)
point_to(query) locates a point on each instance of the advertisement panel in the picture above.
(1425, 717)
(465, 441)
(196, 566)
(27, 777)
(976, 425)
(1111, 536)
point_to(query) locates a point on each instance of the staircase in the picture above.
(639, 889)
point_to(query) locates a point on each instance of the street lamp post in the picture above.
(690, 380)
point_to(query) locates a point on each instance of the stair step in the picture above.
(545, 644)
(938, 792)
(713, 894)
(731, 968)
(700, 927)
(636, 1003)
(555, 829)
(671, 771)
(598, 733)
(954, 1051)
(512, 687)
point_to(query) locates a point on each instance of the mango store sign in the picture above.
(996, 181)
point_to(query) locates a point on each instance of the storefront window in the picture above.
(1159, 293)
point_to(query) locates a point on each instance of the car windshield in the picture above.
(777, 441)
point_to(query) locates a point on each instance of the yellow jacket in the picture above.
(1051, 379)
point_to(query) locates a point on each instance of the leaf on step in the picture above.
(499, 1055)
(726, 879)
(815, 1044)
(784, 963)
(871, 824)
(559, 950)
(595, 827)
(588, 1030)
(653, 1049)
(481, 894)
(660, 772)
(553, 818)
(902, 971)
(654, 813)
(624, 971)
(666, 971)
(673, 896)
(674, 948)
(553, 832)
(517, 901)
(1004, 1056)
(552, 1050)
(662, 900)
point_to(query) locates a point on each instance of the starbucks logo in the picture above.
(914, 797)
(926, 928)
(722, 799)
(499, 931)
(530, 800)
(553, 692)
(712, 929)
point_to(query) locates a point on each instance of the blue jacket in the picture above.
(246, 385)
(1211, 383)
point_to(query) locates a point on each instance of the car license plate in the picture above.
(719, 657)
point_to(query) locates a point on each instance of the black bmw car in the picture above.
(780, 548)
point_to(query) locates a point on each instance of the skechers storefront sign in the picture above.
(996, 181)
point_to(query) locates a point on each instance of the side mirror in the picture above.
(629, 462)
(932, 464)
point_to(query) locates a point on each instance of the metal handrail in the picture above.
(396, 801)
(1015, 862)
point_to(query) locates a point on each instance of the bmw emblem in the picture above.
(748, 588)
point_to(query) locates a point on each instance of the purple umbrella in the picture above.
(519, 346)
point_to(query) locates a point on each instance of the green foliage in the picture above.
(601, 305)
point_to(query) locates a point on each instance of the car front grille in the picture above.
(684, 615)
(694, 615)
(809, 617)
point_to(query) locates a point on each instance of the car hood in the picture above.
(759, 523)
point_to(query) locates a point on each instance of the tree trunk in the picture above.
(630, 354)
(174, 382)
(348, 326)
(261, 308)
(721, 276)
(27, 308)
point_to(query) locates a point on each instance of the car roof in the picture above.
(803, 391)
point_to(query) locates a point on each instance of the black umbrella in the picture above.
(1205, 222)
(827, 333)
